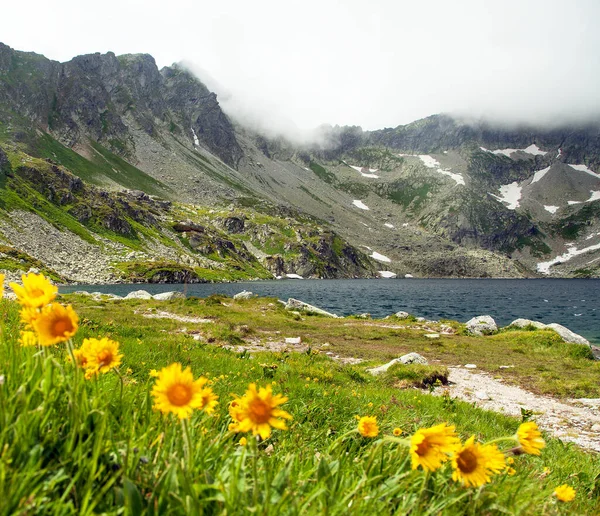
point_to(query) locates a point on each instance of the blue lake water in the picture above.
(573, 303)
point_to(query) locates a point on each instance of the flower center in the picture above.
(62, 326)
(423, 448)
(260, 411)
(36, 292)
(466, 461)
(104, 357)
(179, 394)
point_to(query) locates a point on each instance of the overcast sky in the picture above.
(377, 63)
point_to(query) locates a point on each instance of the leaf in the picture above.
(133, 498)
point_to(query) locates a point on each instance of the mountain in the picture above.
(111, 152)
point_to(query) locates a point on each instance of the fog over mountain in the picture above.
(294, 66)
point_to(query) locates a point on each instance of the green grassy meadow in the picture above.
(75, 446)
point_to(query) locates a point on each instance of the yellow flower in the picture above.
(37, 291)
(28, 338)
(257, 411)
(153, 373)
(473, 463)
(176, 391)
(397, 432)
(55, 324)
(367, 426)
(530, 438)
(243, 441)
(209, 400)
(29, 315)
(510, 471)
(102, 354)
(81, 358)
(430, 447)
(564, 493)
(129, 370)
(1, 285)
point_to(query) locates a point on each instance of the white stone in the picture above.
(295, 304)
(244, 294)
(413, 358)
(567, 335)
(293, 340)
(432, 336)
(138, 294)
(167, 296)
(596, 428)
(481, 325)
(523, 323)
(482, 395)
(470, 366)
(402, 315)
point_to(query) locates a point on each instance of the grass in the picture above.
(69, 446)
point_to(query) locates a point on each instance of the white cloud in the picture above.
(375, 64)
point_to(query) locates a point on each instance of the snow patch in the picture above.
(584, 168)
(388, 225)
(573, 202)
(363, 169)
(360, 204)
(510, 194)
(594, 197)
(539, 174)
(196, 141)
(405, 225)
(558, 154)
(431, 162)
(408, 276)
(551, 209)
(380, 257)
(387, 274)
(532, 149)
(544, 267)
(293, 276)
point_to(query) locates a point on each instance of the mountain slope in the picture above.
(438, 197)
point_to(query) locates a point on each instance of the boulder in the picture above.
(167, 296)
(482, 325)
(244, 294)
(402, 315)
(295, 304)
(138, 294)
(524, 323)
(567, 335)
(413, 358)
(410, 358)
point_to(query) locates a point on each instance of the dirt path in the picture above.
(569, 420)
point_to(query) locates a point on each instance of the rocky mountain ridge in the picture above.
(438, 197)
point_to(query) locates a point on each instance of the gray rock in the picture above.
(413, 358)
(295, 304)
(410, 358)
(567, 335)
(244, 294)
(482, 325)
(138, 294)
(364, 316)
(167, 296)
(375, 371)
(596, 428)
(402, 315)
(523, 323)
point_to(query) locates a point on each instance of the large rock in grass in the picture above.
(167, 296)
(244, 294)
(524, 323)
(482, 325)
(409, 358)
(138, 294)
(295, 304)
(567, 335)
